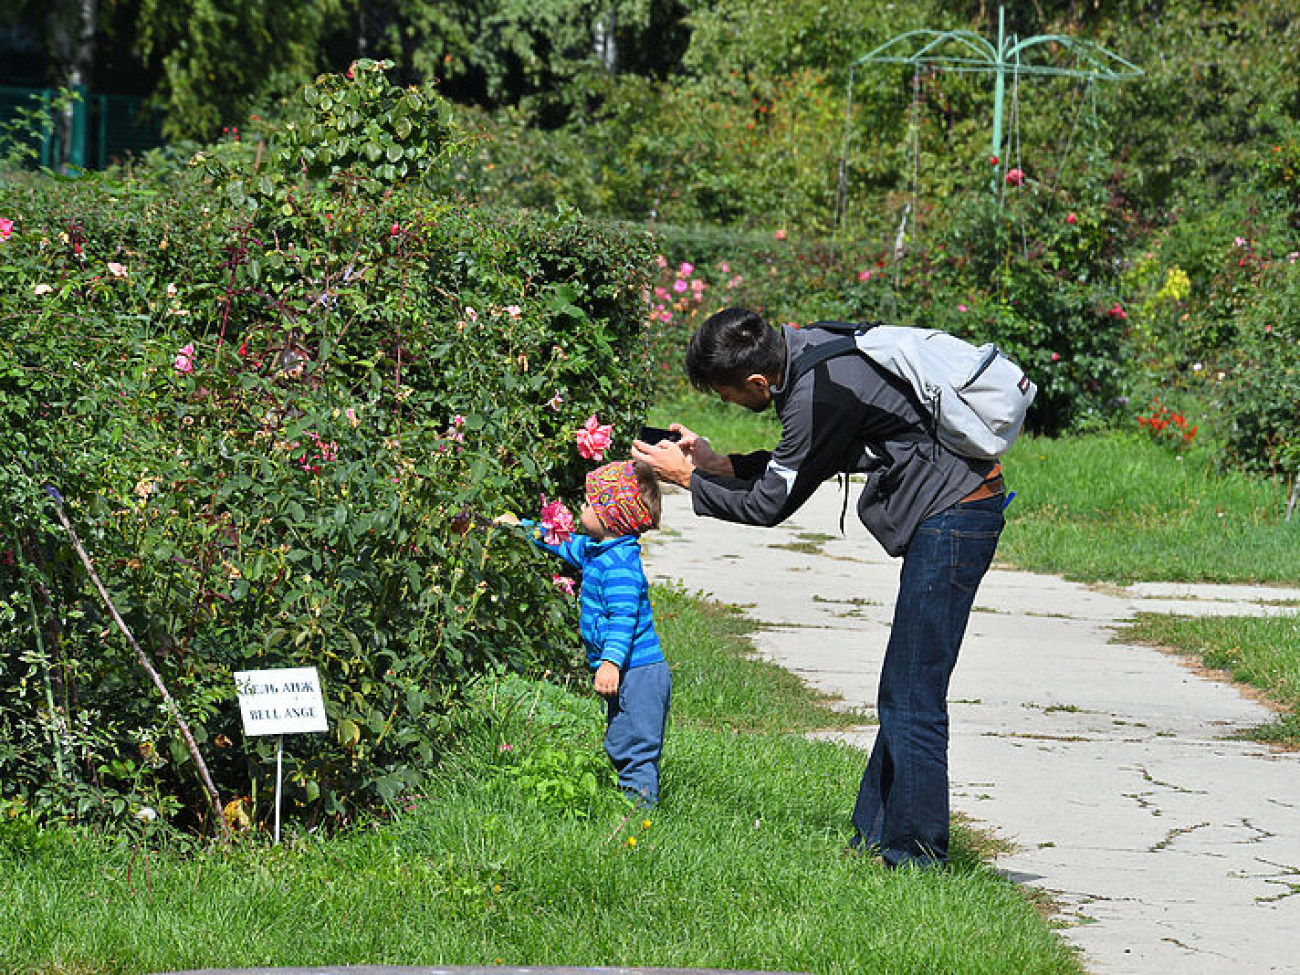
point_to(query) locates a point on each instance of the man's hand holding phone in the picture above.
(674, 460)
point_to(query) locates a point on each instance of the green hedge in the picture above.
(275, 405)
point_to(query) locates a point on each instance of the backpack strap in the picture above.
(815, 356)
(806, 360)
(846, 341)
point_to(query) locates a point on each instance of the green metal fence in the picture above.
(95, 131)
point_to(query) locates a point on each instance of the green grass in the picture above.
(1261, 651)
(1120, 508)
(719, 684)
(739, 867)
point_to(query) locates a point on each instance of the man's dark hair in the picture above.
(731, 346)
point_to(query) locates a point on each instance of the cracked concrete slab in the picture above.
(1167, 842)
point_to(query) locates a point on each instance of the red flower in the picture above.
(1071, 219)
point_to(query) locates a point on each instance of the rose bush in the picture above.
(279, 397)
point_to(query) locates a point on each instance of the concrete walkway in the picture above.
(1170, 846)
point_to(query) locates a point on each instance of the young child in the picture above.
(616, 622)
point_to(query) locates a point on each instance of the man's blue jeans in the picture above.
(902, 807)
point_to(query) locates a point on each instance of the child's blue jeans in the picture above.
(634, 731)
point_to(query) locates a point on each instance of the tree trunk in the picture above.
(605, 45)
(72, 43)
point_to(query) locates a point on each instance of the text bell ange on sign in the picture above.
(280, 702)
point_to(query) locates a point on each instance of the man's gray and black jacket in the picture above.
(845, 415)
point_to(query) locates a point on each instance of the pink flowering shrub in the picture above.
(267, 462)
(184, 360)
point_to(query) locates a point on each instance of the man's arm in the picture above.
(819, 432)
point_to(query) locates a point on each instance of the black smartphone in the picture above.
(654, 435)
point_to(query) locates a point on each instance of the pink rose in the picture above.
(779, 235)
(563, 583)
(1015, 176)
(6, 228)
(679, 286)
(557, 522)
(1071, 219)
(594, 439)
(184, 361)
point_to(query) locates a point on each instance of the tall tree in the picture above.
(67, 32)
(220, 58)
(524, 52)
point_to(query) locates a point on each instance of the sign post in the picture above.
(280, 702)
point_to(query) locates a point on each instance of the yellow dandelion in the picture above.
(631, 841)
(645, 824)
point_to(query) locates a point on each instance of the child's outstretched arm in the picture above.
(572, 549)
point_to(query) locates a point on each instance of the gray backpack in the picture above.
(976, 396)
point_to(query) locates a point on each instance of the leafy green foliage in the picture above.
(572, 782)
(277, 406)
(220, 61)
(1263, 387)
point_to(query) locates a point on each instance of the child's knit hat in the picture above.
(615, 497)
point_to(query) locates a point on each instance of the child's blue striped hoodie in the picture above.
(615, 619)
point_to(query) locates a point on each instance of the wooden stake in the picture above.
(172, 708)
